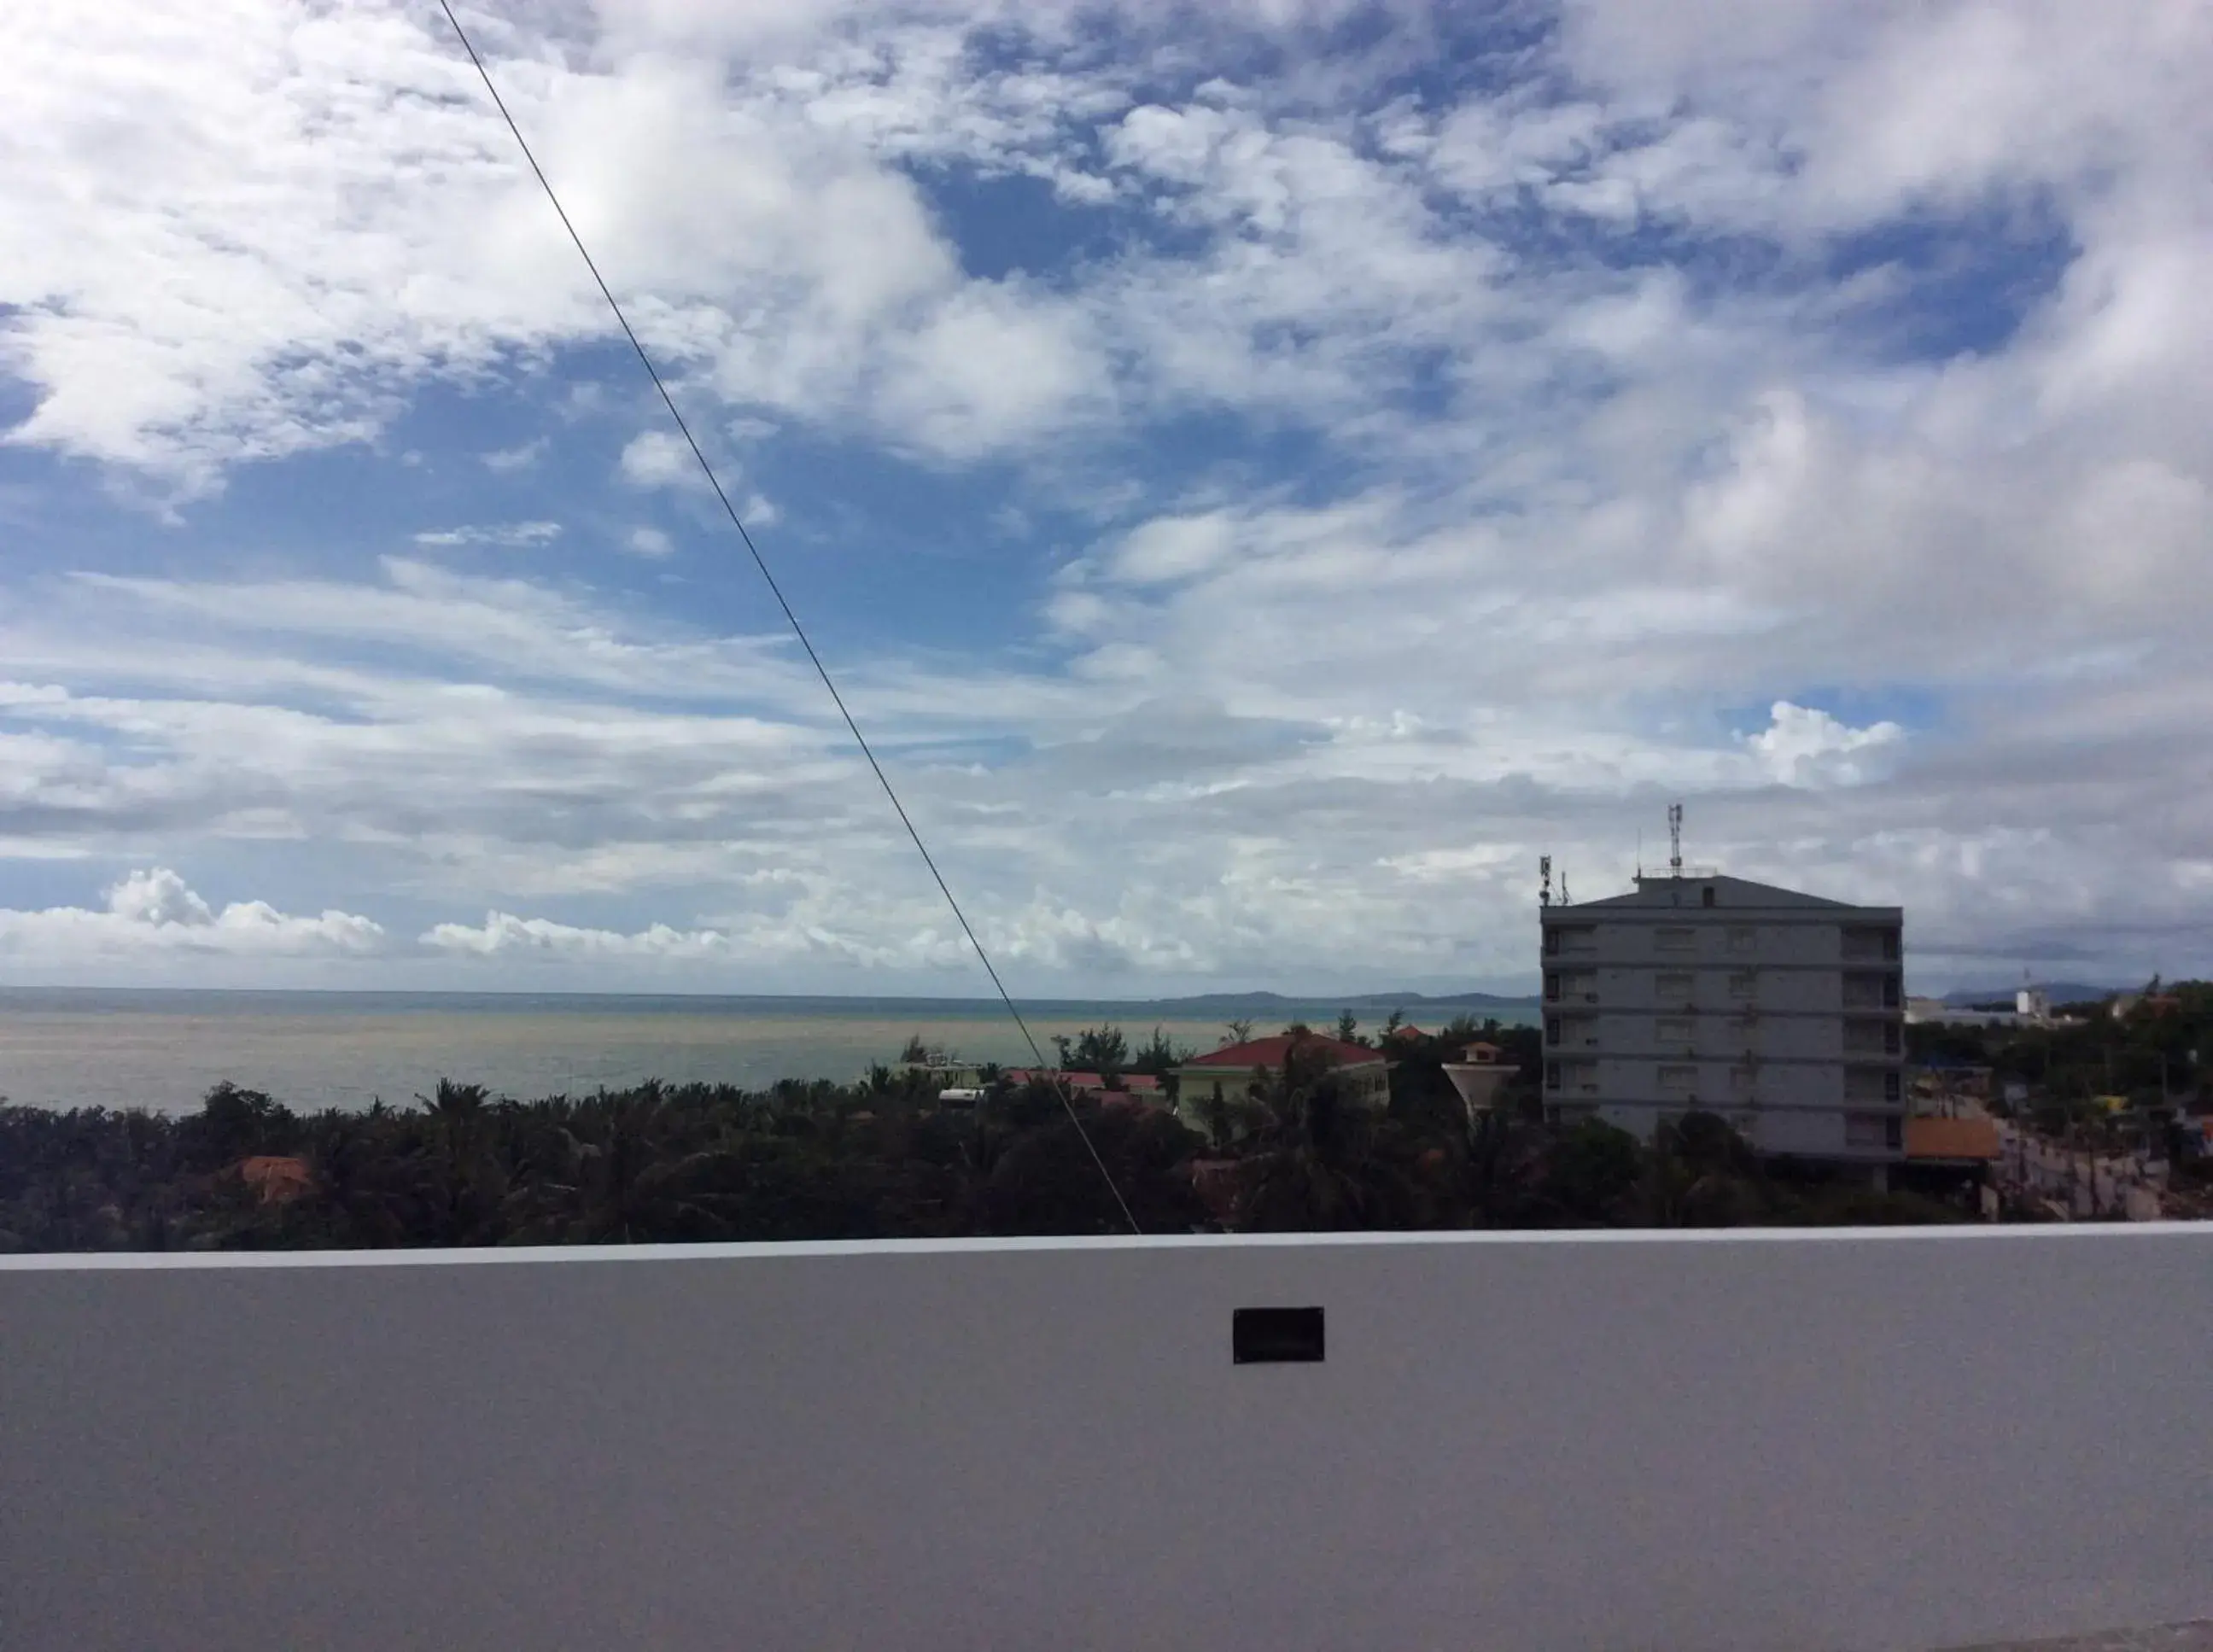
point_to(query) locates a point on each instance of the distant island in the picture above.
(2059, 994)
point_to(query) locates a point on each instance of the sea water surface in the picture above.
(163, 1049)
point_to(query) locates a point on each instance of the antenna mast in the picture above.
(1564, 899)
(1674, 840)
(1545, 876)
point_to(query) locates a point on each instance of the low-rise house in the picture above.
(1229, 1073)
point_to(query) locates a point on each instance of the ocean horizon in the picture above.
(163, 1048)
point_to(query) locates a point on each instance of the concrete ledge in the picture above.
(2170, 1638)
(1841, 1441)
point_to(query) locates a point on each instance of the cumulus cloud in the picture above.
(648, 542)
(153, 910)
(1803, 746)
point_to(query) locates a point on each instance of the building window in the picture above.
(1679, 1080)
(1740, 1079)
(1890, 946)
(1552, 1028)
(1551, 985)
(1742, 983)
(1890, 991)
(1705, 897)
(1893, 1132)
(1891, 1082)
(1551, 1074)
(1890, 1038)
(1743, 938)
(1866, 1129)
(1677, 940)
(1676, 1032)
(1674, 988)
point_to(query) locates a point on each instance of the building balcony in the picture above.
(1070, 1444)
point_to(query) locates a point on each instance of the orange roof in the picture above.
(1270, 1052)
(1951, 1138)
(279, 1178)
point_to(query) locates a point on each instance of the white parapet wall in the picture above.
(1871, 1440)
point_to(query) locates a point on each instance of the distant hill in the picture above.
(2061, 992)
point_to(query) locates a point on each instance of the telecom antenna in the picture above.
(1545, 876)
(1565, 899)
(1674, 840)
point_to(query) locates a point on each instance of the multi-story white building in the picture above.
(1780, 1011)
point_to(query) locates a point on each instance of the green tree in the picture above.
(1590, 1175)
(1315, 1163)
(1102, 1050)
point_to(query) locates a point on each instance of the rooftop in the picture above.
(1270, 1051)
(1951, 1138)
(1739, 892)
(1136, 1081)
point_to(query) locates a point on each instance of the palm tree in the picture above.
(456, 1119)
(1316, 1167)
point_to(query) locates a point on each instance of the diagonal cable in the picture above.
(1060, 1088)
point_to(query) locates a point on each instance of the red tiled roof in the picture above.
(1408, 1031)
(1135, 1082)
(278, 1179)
(1951, 1138)
(1270, 1051)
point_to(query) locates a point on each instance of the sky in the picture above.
(1261, 473)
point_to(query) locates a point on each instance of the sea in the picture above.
(163, 1049)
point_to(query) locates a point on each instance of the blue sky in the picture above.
(1263, 473)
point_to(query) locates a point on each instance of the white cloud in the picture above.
(502, 932)
(1804, 746)
(511, 535)
(659, 459)
(648, 542)
(153, 912)
(520, 457)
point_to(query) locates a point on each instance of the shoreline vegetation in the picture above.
(893, 1156)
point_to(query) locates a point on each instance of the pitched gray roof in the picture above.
(1740, 893)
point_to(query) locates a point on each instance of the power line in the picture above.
(777, 591)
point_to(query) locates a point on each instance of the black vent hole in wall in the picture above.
(1275, 1335)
